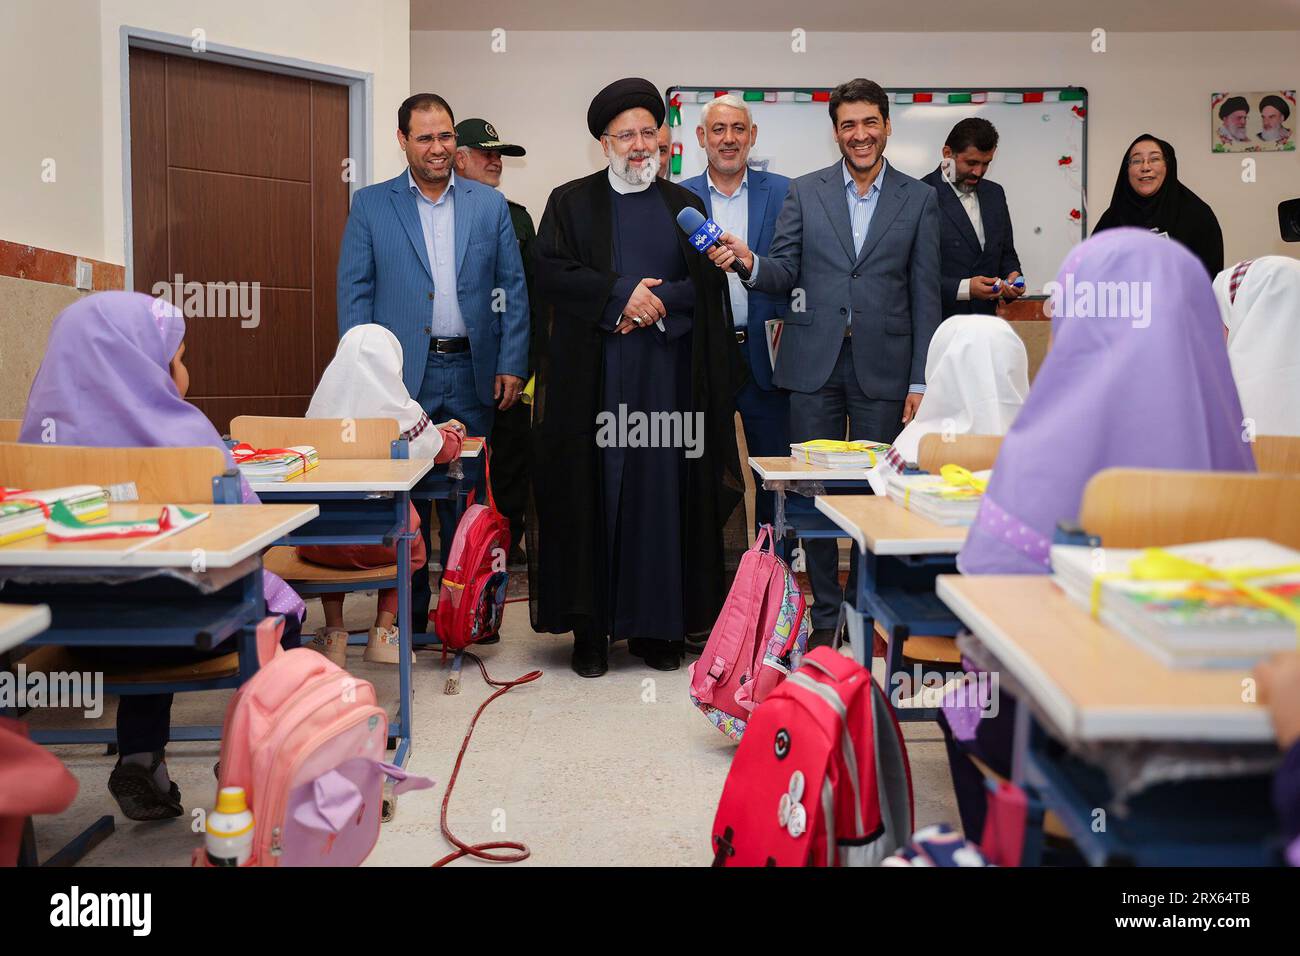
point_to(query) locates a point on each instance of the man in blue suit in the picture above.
(745, 203)
(434, 259)
(978, 260)
(859, 244)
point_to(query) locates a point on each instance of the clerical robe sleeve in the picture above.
(1286, 797)
(596, 295)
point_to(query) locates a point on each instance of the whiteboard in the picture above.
(1044, 194)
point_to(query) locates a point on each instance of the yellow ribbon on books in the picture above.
(1157, 564)
(834, 445)
(959, 478)
(527, 395)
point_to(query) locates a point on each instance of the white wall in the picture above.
(60, 63)
(538, 90)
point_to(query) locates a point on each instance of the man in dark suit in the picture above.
(859, 243)
(745, 202)
(978, 259)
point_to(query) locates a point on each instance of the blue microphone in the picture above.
(705, 233)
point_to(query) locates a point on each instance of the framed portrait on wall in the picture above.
(1252, 122)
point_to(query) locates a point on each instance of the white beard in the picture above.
(642, 176)
(1232, 134)
(1272, 135)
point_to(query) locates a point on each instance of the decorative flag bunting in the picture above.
(1075, 214)
(66, 526)
(1065, 161)
(823, 96)
(675, 162)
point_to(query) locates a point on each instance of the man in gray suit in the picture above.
(858, 242)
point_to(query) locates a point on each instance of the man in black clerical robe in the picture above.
(635, 540)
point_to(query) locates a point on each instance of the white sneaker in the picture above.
(383, 646)
(333, 643)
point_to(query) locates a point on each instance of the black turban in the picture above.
(625, 94)
(1279, 104)
(1232, 104)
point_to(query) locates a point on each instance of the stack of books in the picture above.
(1181, 615)
(21, 514)
(275, 464)
(938, 498)
(825, 453)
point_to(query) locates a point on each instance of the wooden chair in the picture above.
(147, 475)
(1140, 508)
(1278, 454)
(974, 452)
(9, 428)
(332, 438)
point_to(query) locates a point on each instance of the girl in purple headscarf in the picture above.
(114, 376)
(1137, 377)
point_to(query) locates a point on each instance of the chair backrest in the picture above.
(9, 428)
(1141, 508)
(974, 452)
(1277, 454)
(160, 475)
(331, 437)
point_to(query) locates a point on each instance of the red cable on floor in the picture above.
(480, 850)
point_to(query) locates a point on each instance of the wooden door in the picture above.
(238, 205)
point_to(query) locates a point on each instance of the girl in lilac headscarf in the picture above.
(114, 376)
(1137, 376)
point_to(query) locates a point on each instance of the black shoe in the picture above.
(590, 657)
(659, 655)
(494, 639)
(821, 637)
(138, 794)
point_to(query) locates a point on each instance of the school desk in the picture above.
(899, 555)
(132, 602)
(365, 501)
(1089, 687)
(788, 475)
(18, 622)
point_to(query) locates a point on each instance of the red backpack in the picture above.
(474, 578)
(821, 776)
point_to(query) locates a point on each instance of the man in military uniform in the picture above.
(478, 157)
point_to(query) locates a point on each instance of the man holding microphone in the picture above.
(745, 203)
(858, 242)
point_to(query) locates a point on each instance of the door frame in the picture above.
(360, 86)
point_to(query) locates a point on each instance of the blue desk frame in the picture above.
(382, 518)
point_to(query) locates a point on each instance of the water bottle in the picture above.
(229, 837)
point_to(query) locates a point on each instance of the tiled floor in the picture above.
(615, 771)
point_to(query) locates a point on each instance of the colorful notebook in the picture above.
(950, 498)
(24, 512)
(274, 464)
(828, 453)
(1225, 603)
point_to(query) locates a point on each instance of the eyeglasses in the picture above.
(1153, 161)
(444, 139)
(627, 137)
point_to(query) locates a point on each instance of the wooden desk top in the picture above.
(882, 526)
(1091, 681)
(18, 622)
(353, 474)
(791, 469)
(227, 536)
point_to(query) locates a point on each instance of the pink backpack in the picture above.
(472, 596)
(759, 637)
(821, 778)
(306, 741)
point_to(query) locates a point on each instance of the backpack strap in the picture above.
(893, 773)
(725, 654)
(269, 630)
